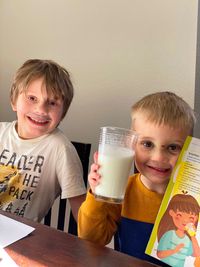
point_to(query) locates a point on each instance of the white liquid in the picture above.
(115, 167)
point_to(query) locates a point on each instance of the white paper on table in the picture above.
(6, 260)
(12, 230)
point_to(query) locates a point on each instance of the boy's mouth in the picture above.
(158, 169)
(39, 120)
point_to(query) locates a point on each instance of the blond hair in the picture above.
(165, 108)
(55, 78)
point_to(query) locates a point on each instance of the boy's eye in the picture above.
(31, 98)
(174, 148)
(147, 144)
(52, 102)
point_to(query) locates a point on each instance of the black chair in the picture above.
(83, 151)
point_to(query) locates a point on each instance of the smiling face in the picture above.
(182, 219)
(157, 151)
(37, 112)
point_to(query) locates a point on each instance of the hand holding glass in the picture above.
(115, 157)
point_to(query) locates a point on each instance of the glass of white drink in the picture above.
(115, 157)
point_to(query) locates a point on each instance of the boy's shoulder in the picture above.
(134, 178)
(59, 138)
(58, 133)
(132, 183)
(6, 125)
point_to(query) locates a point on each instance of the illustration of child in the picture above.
(177, 231)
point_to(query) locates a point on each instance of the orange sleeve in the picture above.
(97, 220)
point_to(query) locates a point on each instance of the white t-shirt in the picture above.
(34, 172)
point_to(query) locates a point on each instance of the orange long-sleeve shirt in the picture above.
(98, 221)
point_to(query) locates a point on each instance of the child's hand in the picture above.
(178, 247)
(191, 229)
(94, 177)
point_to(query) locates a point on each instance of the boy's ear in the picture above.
(13, 105)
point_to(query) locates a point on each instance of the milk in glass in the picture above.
(115, 165)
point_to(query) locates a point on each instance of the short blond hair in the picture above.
(55, 78)
(165, 108)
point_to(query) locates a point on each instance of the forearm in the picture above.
(75, 203)
(195, 245)
(168, 252)
(97, 221)
(165, 253)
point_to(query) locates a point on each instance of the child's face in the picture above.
(37, 112)
(157, 151)
(181, 219)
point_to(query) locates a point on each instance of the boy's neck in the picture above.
(159, 188)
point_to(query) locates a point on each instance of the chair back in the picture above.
(83, 151)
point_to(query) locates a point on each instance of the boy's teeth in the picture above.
(39, 121)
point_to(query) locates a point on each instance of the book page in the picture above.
(175, 238)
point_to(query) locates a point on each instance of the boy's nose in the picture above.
(159, 155)
(42, 107)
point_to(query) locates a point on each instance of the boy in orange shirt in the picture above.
(163, 121)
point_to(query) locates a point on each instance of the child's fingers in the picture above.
(96, 157)
(93, 183)
(94, 167)
(93, 177)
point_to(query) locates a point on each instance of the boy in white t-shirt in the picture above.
(37, 161)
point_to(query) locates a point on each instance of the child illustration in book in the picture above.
(177, 231)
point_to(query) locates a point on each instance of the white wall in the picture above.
(116, 51)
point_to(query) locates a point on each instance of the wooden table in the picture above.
(48, 247)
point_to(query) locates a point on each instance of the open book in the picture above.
(175, 238)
